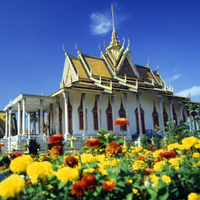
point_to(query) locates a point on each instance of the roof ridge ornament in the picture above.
(105, 44)
(128, 43)
(64, 48)
(77, 48)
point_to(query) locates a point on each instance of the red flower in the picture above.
(152, 148)
(109, 185)
(71, 161)
(167, 154)
(56, 138)
(121, 122)
(149, 171)
(113, 148)
(2, 145)
(93, 142)
(90, 181)
(78, 188)
(56, 151)
(192, 114)
(14, 155)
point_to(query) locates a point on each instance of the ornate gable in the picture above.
(127, 69)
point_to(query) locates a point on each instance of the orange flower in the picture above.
(109, 185)
(78, 188)
(167, 154)
(90, 181)
(113, 148)
(71, 161)
(140, 158)
(56, 151)
(56, 138)
(149, 171)
(2, 145)
(121, 122)
(93, 142)
(14, 155)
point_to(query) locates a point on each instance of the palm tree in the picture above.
(34, 119)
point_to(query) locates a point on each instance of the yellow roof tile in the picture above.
(79, 68)
(146, 76)
(98, 67)
(108, 59)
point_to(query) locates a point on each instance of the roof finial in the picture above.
(64, 48)
(113, 17)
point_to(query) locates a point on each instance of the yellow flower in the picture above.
(132, 147)
(196, 155)
(124, 149)
(135, 191)
(183, 147)
(40, 170)
(193, 196)
(154, 178)
(114, 162)
(100, 157)
(190, 141)
(68, 174)
(175, 162)
(139, 164)
(72, 139)
(138, 149)
(157, 152)
(166, 179)
(129, 181)
(197, 146)
(100, 150)
(87, 158)
(173, 146)
(95, 150)
(11, 186)
(103, 171)
(20, 163)
(158, 166)
(87, 171)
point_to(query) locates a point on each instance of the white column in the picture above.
(34, 122)
(113, 111)
(161, 115)
(171, 109)
(138, 97)
(10, 134)
(29, 124)
(84, 116)
(51, 118)
(57, 118)
(38, 122)
(6, 126)
(181, 109)
(67, 135)
(126, 95)
(98, 111)
(19, 118)
(24, 117)
(41, 117)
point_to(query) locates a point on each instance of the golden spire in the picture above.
(114, 40)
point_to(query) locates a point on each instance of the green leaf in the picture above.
(53, 196)
(163, 193)
(61, 185)
(129, 196)
(92, 165)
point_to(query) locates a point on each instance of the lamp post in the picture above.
(10, 108)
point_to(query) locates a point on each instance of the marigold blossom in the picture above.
(166, 179)
(78, 188)
(168, 154)
(109, 185)
(93, 143)
(72, 139)
(11, 186)
(40, 170)
(121, 122)
(71, 161)
(56, 151)
(67, 174)
(190, 141)
(193, 196)
(56, 138)
(19, 164)
(113, 148)
(90, 181)
(139, 164)
(87, 158)
(2, 145)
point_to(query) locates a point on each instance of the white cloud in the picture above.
(194, 91)
(101, 23)
(173, 78)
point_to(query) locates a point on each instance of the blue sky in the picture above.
(32, 34)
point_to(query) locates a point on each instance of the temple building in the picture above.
(94, 91)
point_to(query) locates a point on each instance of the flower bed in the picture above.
(105, 169)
